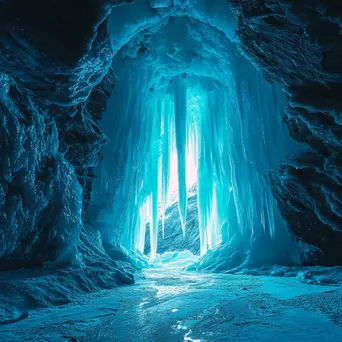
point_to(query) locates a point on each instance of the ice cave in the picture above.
(170, 170)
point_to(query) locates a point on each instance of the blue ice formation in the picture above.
(187, 108)
(184, 89)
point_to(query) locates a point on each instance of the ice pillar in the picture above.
(180, 98)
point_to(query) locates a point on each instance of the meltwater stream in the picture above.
(171, 305)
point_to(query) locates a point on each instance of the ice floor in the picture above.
(168, 305)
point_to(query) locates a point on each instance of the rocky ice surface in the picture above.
(172, 305)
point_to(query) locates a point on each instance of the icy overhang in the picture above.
(177, 45)
(129, 20)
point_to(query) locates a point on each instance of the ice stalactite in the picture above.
(242, 137)
(180, 99)
(205, 108)
(167, 134)
(205, 177)
(140, 229)
(152, 177)
(228, 128)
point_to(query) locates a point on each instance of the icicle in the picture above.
(166, 153)
(152, 176)
(232, 127)
(181, 135)
(154, 225)
(141, 229)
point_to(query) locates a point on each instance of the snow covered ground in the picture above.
(168, 305)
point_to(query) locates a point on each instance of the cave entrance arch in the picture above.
(239, 144)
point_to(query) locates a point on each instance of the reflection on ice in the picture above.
(181, 326)
(166, 291)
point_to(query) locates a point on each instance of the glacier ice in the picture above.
(178, 98)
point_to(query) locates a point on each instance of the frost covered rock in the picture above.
(46, 172)
(174, 240)
(50, 286)
(41, 200)
(54, 57)
(58, 50)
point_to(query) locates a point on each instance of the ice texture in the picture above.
(185, 96)
(213, 110)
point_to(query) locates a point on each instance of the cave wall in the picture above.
(55, 79)
(299, 45)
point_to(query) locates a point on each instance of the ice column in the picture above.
(167, 134)
(180, 98)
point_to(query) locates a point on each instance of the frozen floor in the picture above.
(172, 305)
